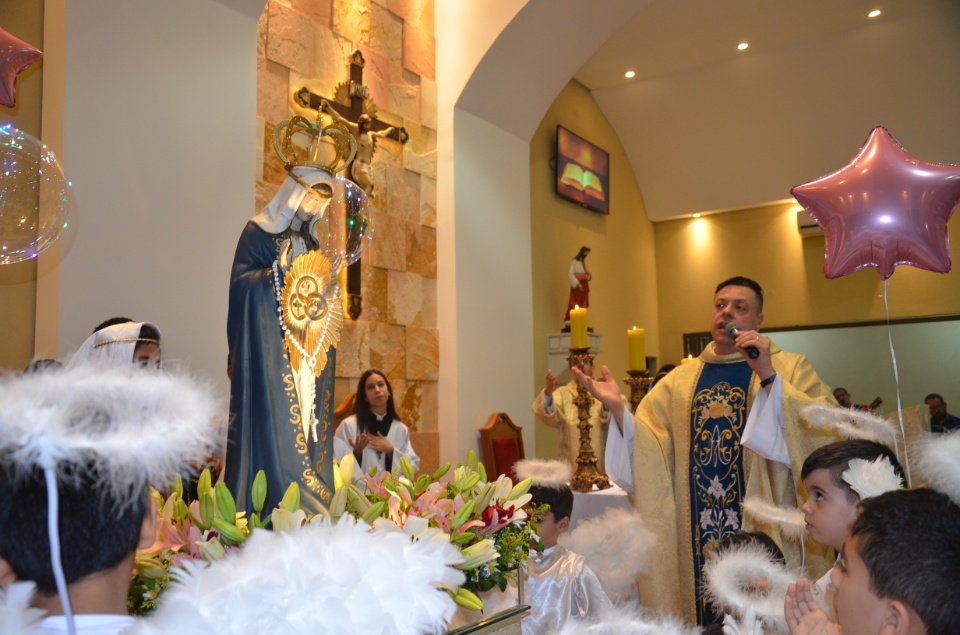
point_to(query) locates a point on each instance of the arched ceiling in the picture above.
(708, 128)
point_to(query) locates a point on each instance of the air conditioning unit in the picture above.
(806, 225)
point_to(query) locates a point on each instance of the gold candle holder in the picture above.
(587, 474)
(639, 382)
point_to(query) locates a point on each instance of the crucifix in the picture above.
(360, 116)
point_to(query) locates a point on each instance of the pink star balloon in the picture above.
(15, 56)
(885, 208)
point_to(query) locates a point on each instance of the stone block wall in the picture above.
(309, 43)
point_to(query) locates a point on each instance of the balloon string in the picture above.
(896, 378)
(53, 535)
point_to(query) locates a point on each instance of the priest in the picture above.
(711, 433)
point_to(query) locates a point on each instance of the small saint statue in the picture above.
(579, 284)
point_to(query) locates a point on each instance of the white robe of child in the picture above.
(559, 586)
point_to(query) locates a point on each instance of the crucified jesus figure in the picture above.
(360, 169)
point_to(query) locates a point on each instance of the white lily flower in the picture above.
(347, 466)
(210, 549)
(517, 503)
(479, 554)
(284, 520)
(415, 525)
(385, 524)
(503, 488)
(434, 534)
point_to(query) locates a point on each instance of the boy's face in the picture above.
(860, 611)
(147, 354)
(828, 510)
(550, 529)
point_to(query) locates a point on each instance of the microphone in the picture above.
(732, 329)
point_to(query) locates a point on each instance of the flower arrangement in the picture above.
(204, 529)
(485, 520)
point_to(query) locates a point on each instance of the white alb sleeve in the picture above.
(765, 433)
(619, 453)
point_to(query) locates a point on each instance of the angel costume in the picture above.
(558, 586)
(397, 433)
(559, 411)
(18, 617)
(89, 624)
(682, 457)
(115, 343)
(268, 398)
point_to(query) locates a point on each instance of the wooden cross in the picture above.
(358, 94)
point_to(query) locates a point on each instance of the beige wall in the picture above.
(18, 282)
(623, 292)
(763, 243)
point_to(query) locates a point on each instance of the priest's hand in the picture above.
(379, 443)
(804, 616)
(551, 383)
(605, 390)
(762, 365)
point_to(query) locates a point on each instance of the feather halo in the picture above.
(939, 461)
(16, 615)
(853, 424)
(615, 546)
(323, 578)
(789, 520)
(128, 426)
(628, 619)
(544, 472)
(743, 577)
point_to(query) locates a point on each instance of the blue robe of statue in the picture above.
(265, 425)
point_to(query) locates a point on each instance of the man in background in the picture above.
(940, 419)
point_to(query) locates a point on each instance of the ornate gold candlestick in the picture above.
(587, 474)
(639, 382)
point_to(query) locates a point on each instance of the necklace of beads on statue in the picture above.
(311, 359)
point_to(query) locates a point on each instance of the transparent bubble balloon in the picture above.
(34, 196)
(346, 223)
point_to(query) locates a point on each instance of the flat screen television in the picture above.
(583, 172)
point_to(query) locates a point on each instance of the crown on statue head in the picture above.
(298, 142)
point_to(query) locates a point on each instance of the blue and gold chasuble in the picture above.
(717, 485)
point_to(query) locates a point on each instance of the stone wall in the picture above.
(309, 43)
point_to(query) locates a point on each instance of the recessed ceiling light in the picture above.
(697, 215)
(629, 74)
(873, 13)
(742, 46)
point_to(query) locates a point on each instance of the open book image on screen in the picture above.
(585, 180)
(583, 172)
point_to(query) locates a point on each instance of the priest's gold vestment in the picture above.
(661, 451)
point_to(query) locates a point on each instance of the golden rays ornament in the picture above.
(312, 310)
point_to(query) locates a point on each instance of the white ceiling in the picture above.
(709, 128)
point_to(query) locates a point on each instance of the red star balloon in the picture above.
(885, 208)
(15, 56)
